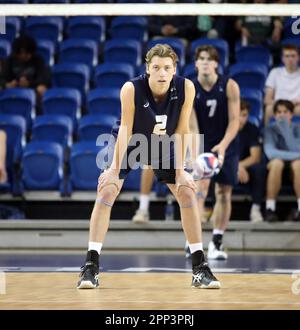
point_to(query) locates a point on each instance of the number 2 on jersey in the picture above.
(213, 106)
(161, 124)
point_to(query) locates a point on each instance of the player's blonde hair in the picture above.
(161, 50)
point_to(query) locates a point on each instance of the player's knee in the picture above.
(276, 164)
(223, 195)
(201, 194)
(186, 197)
(295, 166)
(107, 195)
(203, 186)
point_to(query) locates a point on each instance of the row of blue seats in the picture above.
(86, 50)
(56, 128)
(43, 168)
(55, 28)
(68, 101)
(81, 51)
(64, 101)
(46, 166)
(43, 165)
(48, 31)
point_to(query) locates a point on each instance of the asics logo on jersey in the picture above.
(174, 98)
(146, 105)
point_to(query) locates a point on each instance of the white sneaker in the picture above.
(214, 253)
(255, 215)
(141, 216)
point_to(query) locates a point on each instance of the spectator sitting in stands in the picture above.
(251, 171)
(24, 68)
(283, 82)
(172, 26)
(211, 26)
(259, 30)
(3, 174)
(282, 147)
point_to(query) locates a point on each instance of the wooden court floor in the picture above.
(137, 291)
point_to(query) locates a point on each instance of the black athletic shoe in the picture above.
(89, 276)
(203, 278)
(271, 216)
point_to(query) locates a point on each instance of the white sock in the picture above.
(196, 247)
(218, 232)
(298, 204)
(144, 202)
(95, 246)
(255, 207)
(271, 205)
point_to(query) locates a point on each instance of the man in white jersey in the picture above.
(283, 82)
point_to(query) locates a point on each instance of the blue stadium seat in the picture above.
(190, 72)
(18, 101)
(79, 51)
(42, 166)
(220, 44)
(12, 28)
(89, 27)
(47, 27)
(15, 128)
(53, 128)
(255, 98)
(5, 48)
(104, 101)
(63, 101)
(296, 119)
(140, 69)
(91, 126)
(46, 49)
(113, 74)
(123, 50)
(249, 75)
(176, 43)
(129, 27)
(133, 180)
(254, 120)
(72, 75)
(84, 172)
(254, 54)
(292, 41)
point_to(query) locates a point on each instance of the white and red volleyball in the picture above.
(206, 166)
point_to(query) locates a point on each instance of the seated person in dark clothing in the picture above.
(24, 68)
(172, 26)
(259, 30)
(251, 171)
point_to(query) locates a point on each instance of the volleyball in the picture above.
(206, 166)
